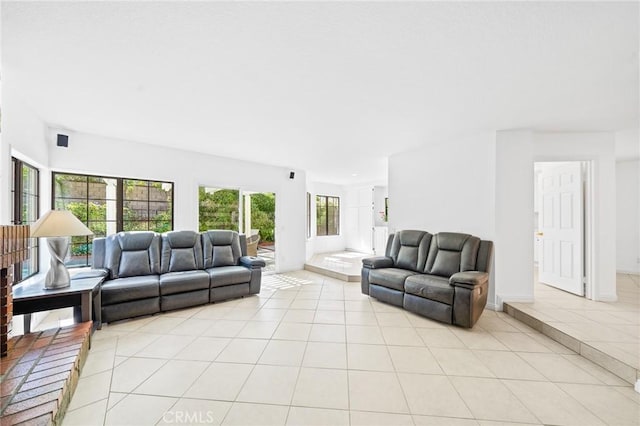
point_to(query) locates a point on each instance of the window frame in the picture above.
(120, 199)
(325, 223)
(308, 215)
(17, 213)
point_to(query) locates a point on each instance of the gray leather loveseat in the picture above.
(149, 272)
(443, 276)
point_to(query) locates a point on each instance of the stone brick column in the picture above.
(13, 249)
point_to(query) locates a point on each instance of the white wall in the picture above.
(628, 144)
(513, 224)
(628, 216)
(446, 186)
(92, 154)
(24, 136)
(483, 185)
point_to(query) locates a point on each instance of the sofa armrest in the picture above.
(377, 262)
(468, 279)
(252, 262)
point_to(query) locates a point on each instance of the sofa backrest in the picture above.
(409, 249)
(129, 254)
(221, 248)
(452, 252)
(98, 253)
(181, 251)
(485, 256)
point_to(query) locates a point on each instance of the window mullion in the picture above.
(119, 205)
(18, 202)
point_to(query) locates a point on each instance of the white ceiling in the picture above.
(331, 88)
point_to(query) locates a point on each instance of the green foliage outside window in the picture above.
(263, 215)
(218, 209)
(327, 215)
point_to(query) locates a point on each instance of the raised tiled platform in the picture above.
(40, 374)
(328, 272)
(344, 266)
(616, 365)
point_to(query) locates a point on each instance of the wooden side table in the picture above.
(83, 294)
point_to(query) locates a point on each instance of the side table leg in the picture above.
(27, 323)
(86, 306)
(97, 308)
(77, 314)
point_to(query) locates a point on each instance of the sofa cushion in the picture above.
(131, 288)
(409, 249)
(221, 248)
(389, 277)
(181, 251)
(228, 275)
(134, 263)
(223, 256)
(452, 252)
(430, 287)
(184, 281)
(131, 254)
(446, 263)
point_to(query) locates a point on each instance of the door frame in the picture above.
(588, 212)
(588, 223)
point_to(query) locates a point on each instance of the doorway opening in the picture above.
(259, 224)
(248, 212)
(562, 223)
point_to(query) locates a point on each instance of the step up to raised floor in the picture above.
(341, 265)
(328, 272)
(626, 369)
(40, 373)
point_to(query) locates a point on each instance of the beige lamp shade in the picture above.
(59, 223)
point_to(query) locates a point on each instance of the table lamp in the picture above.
(58, 226)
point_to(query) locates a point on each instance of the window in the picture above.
(147, 205)
(386, 209)
(327, 215)
(308, 215)
(25, 196)
(108, 205)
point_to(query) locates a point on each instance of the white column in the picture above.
(514, 206)
(247, 214)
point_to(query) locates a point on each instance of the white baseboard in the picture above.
(498, 306)
(494, 307)
(515, 298)
(606, 298)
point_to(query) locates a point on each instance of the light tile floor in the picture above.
(610, 327)
(312, 350)
(269, 257)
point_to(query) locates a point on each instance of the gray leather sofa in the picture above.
(444, 276)
(149, 273)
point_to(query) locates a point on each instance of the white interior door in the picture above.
(561, 227)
